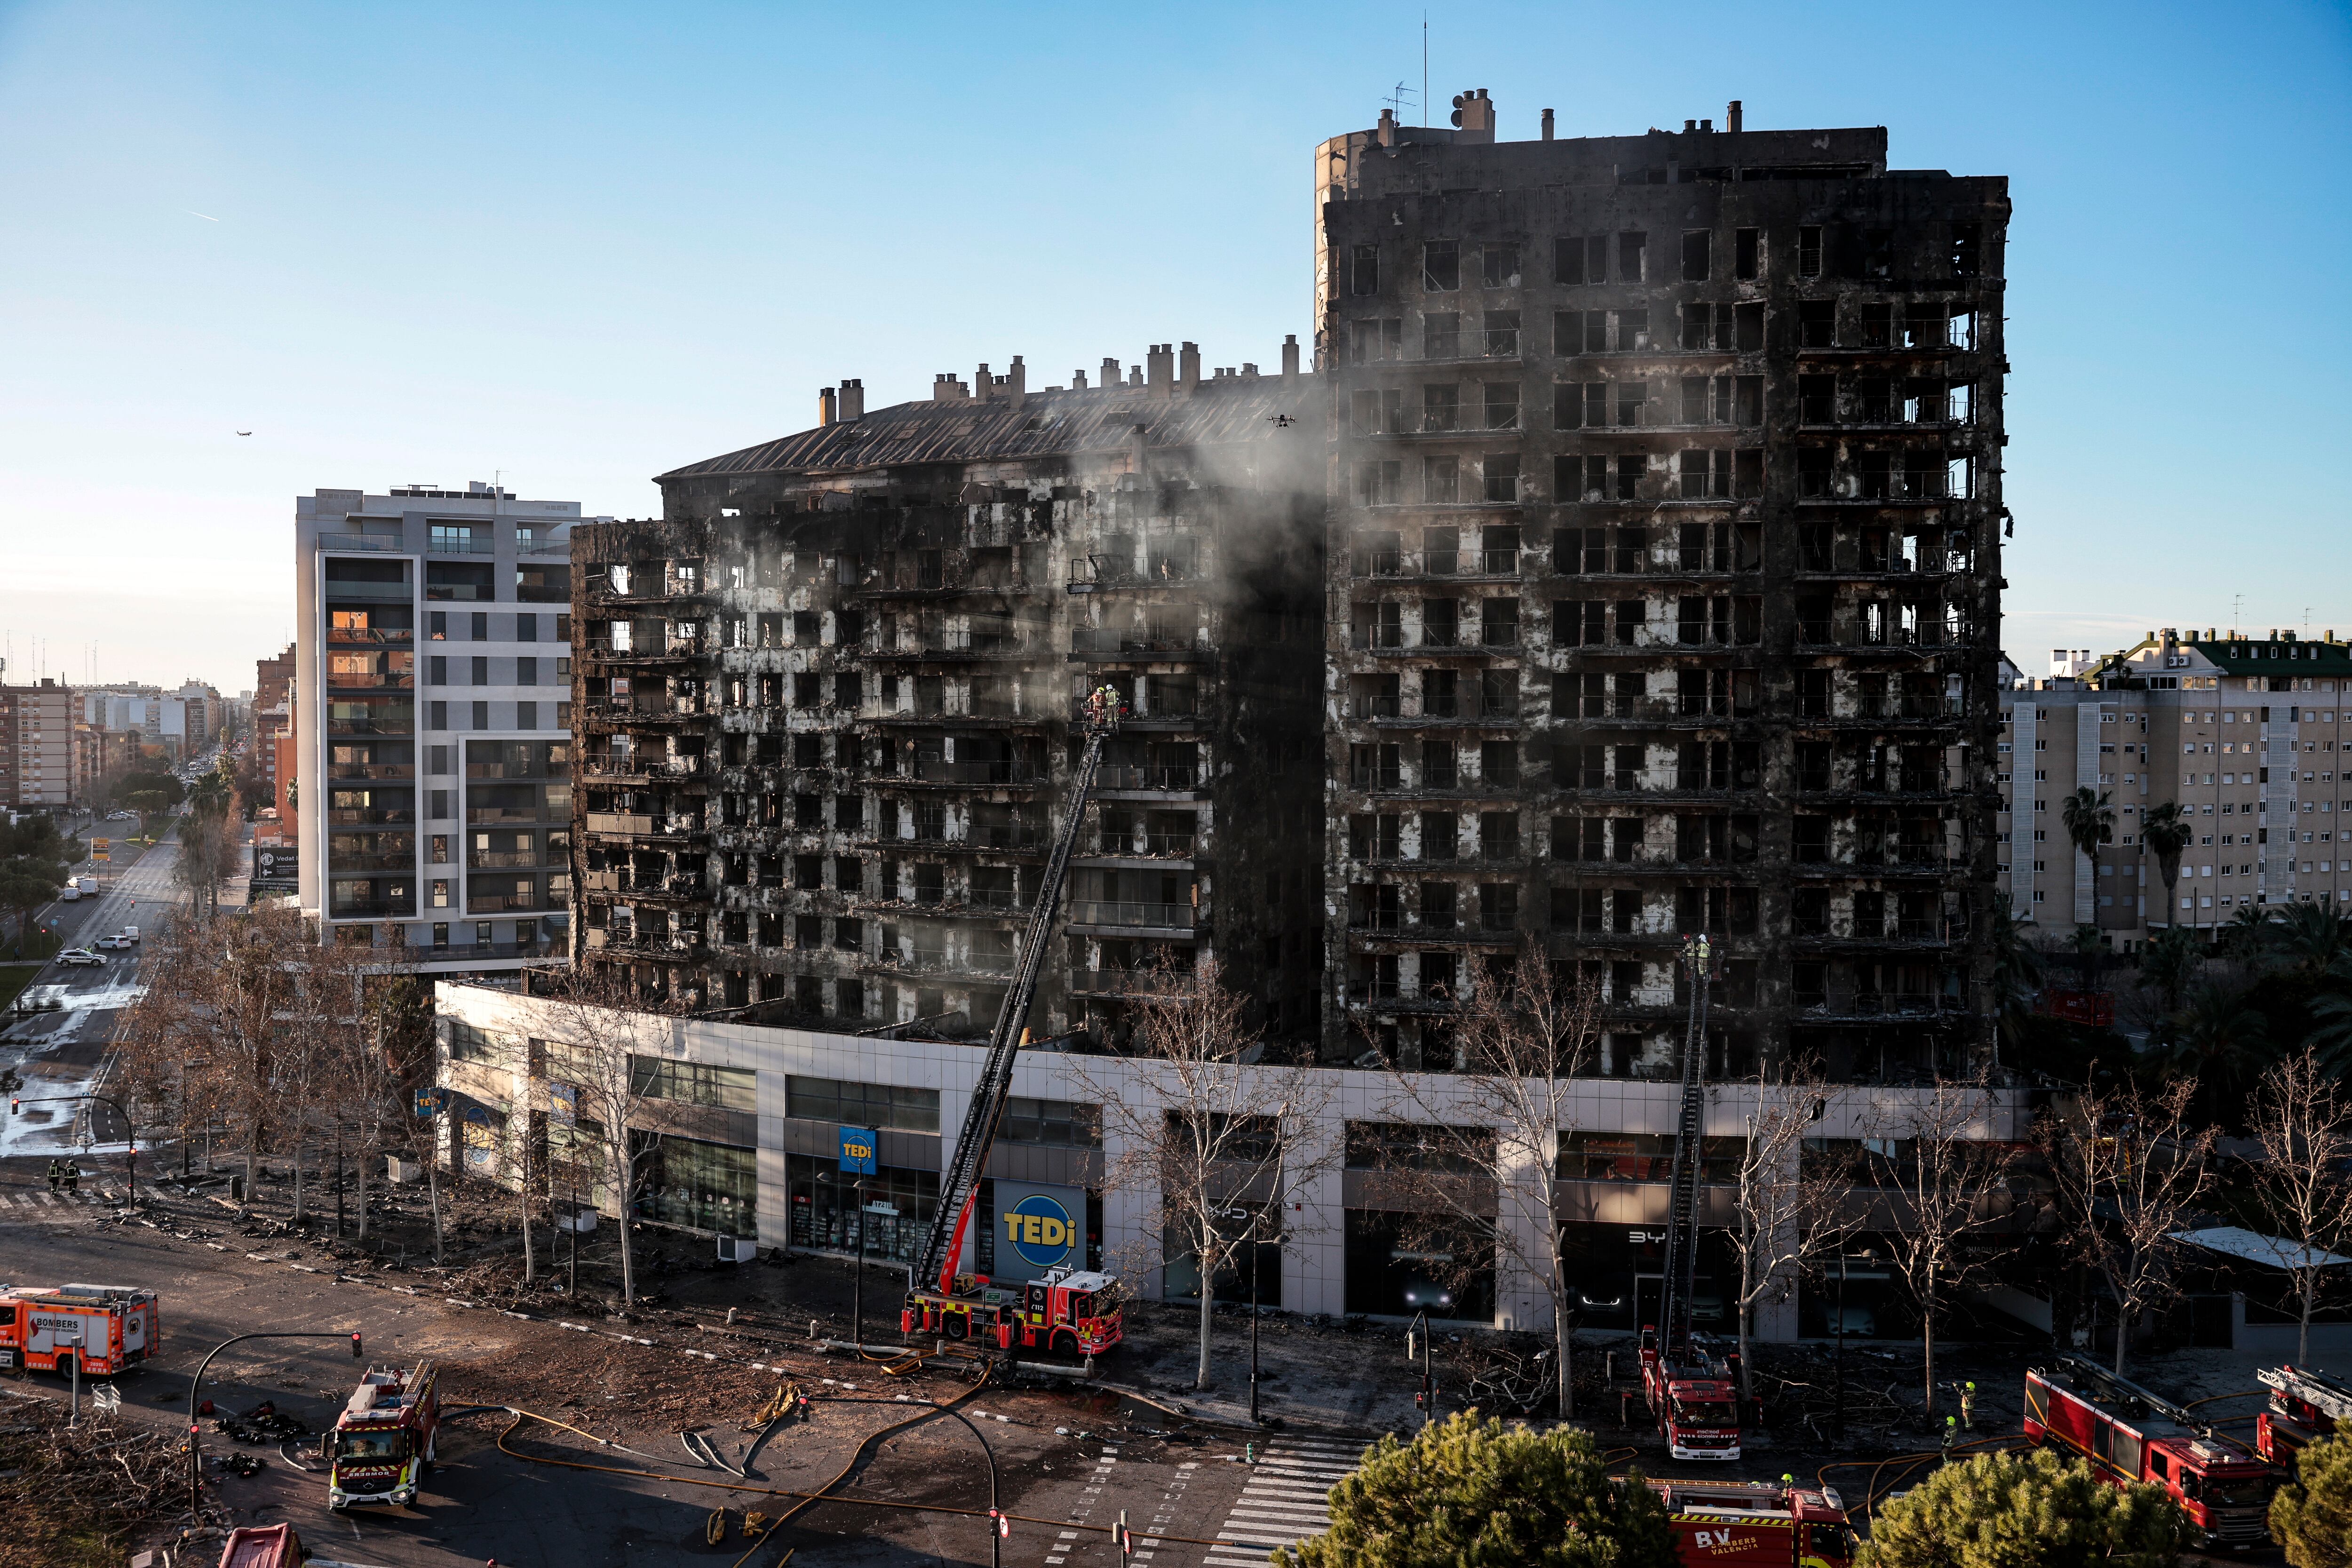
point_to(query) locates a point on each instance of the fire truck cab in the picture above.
(2304, 1406)
(2131, 1435)
(1695, 1399)
(1076, 1313)
(1757, 1524)
(262, 1546)
(383, 1442)
(113, 1328)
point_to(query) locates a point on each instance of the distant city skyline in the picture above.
(624, 248)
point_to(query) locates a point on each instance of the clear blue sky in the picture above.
(580, 244)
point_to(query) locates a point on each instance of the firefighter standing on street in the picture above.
(57, 1174)
(1951, 1431)
(1969, 1405)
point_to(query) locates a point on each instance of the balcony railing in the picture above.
(1145, 640)
(1112, 913)
(1128, 982)
(1155, 844)
(1122, 775)
(928, 771)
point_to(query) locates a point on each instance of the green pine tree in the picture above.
(2312, 1515)
(2025, 1511)
(1470, 1492)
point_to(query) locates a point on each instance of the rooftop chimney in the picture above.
(1473, 116)
(1386, 131)
(1077, 381)
(1188, 367)
(1135, 375)
(853, 399)
(824, 407)
(1546, 129)
(983, 385)
(1016, 382)
(946, 388)
(1289, 355)
(1731, 115)
(1161, 369)
(1110, 374)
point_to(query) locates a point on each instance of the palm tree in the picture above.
(2165, 832)
(2169, 962)
(2312, 936)
(2090, 822)
(2243, 937)
(2221, 1038)
(2016, 976)
(2331, 1013)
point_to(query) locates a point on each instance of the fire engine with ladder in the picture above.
(383, 1442)
(1757, 1524)
(1075, 1311)
(2305, 1405)
(1692, 1395)
(2131, 1434)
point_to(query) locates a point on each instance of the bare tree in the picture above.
(1214, 1134)
(2127, 1167)
(1950, 1186)
(1788, 1210)
(595, 1040)
(1498, 1118)
(2301, 1118)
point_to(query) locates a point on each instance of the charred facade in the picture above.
(1664, 557)
(826, 704)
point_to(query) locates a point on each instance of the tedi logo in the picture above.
(1040, 1231)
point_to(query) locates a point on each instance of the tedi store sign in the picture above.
(1039, 1227)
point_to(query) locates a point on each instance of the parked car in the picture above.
(81, 957)
(121, 816)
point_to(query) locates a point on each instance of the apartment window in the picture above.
(1695, 255)
(437, 625)
(1441, 264)
(437, 757)
(1746, 254)
(1498, 623)
(1364, 270)
(1377, 340)
(1059, 1123)
(436, 715)
(1502, 329)
(481, 715)
(526, 672)
(1968, 249)
(1441, 334)
(1816, 323)
(1705, 475)
(437, 804)
(481, 626)
(526, 715)
(526, 628)
(1441, 480)
(1498, 763)
(480, 670)
(1502, 405)
(1582, 260)
(1440, 835)
(1501, 476)
(1809, 251)
(1378, 483)
(1499, 265)
(436, 670)
(1498, 834)
(1630, 248)
(694, 1083)
(1441, 407)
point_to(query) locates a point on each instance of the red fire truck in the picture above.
(2305, 1406)
(113, 1328)
(1757, 1524)
(262, 1546)
(382, 1441)
(2131, 1435)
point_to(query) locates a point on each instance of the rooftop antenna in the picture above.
(1396, 100)
(2237, 603)
(1424, 67)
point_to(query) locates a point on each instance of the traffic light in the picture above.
(14, 1105)
(1124, 1537)
(1003, 1525)
(356, 1352)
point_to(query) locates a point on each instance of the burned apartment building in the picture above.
(1664, 569)
(826, 703)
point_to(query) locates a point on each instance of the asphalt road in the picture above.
(1063, 1457)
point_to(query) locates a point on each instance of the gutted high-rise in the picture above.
(1662, 590)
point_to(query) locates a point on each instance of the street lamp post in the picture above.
(73, 1409)
(1417, 1334)
(1840, 1424)
(857, 1285)
(1254, 1219)
(196, 1391)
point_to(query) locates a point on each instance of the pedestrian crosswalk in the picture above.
(24, 1199)
(1287, 1496)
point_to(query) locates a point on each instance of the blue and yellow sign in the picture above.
(857, 1147)
(1040, 1231)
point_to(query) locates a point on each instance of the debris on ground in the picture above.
(74, 1497)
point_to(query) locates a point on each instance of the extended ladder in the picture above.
(937, 1264)
(1682, 1203)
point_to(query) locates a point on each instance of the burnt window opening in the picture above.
(1631, 246)
(1809, 251)
(1373, 340)
(1581, 259)
(1878, 253)
(1746, 254)
(1499, 265)
(1500, 472)
(1966, 256)
(1816, 323)
(1696, 247)
(1440, 835)
(1364, 270)
(1441, 334)
(1502, 330)
(1817, 399)
(1502, 405)
(1441, 264)
(1747, 333)
(1441, 480)
(1441, 406)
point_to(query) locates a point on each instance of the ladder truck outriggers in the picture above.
(2305, 1405)
(2131, 1434)
(1074, 1311)
(1692, 1395)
